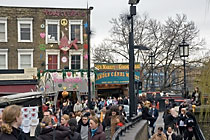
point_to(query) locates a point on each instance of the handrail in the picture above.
(127, 126)
(198, 133)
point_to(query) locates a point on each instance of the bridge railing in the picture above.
(126, 127)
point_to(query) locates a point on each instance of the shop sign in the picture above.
(114, 77)
(70, 13)
(122, 66)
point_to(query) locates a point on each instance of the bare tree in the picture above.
(161, 38)
(102, 54)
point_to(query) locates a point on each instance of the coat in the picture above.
(157, 137)
(99, 135)
(16, 134)
(60, 133)
(114, 123)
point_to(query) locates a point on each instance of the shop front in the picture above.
(67, 84)
(113, 79)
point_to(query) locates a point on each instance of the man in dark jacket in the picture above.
(83, 127)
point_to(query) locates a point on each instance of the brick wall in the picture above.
(39, 15)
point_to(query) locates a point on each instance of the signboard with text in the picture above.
(114, 77)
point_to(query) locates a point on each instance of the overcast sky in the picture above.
(104, 10)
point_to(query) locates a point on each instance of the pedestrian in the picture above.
(181, 121)
(73, 127)
(52, 132)
(159, 135)
(83, 127)
(96, 130)
(190, 127)
(77, 107)
(12, 119)
(196, 96)
(170, 134)
(114, 118)
(154, 113)
(64, 120)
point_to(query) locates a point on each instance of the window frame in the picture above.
(26, 52)
(76, 52)
(76, 22)
(4, 20)
(52, 52)
(52, 21)
(25, 21)
(5, 52)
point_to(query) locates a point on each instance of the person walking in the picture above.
(96, 130)
(50, 132)
(73, 134)
(12, 119)
(83, 127)
(159, 135)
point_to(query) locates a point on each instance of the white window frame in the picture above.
(76, 52)
(4, 20)
(52, 21)
(53, 52)
(76, 22)
(25, 21)
(5, 52)
(27, 52)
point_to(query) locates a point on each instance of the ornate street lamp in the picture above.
(152, 62)
(183, 53)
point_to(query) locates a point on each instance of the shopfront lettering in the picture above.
(71, 13)
(115, 66)
(67, 80)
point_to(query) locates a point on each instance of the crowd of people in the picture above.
(68, 120)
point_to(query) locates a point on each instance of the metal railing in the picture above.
(198, 133)
(126, 127)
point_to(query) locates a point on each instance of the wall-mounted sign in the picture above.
(64, 59)
(42, 26)
(64, 22)
(42, 35)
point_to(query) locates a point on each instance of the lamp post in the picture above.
(183, 53)
(132, 109)
(88, 42)
(152, 62)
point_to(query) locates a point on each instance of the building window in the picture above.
(3, 29)
(25, 30)
(76, 30)
(52, 59)
(52, 31)
(25, 58)
(76, 59)
(3, 58)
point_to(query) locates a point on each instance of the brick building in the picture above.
(46, 38)
(42, 38)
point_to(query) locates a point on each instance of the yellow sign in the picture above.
(115, 66)
(64, 22)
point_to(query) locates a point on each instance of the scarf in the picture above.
(169, 135)
(93, 131)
